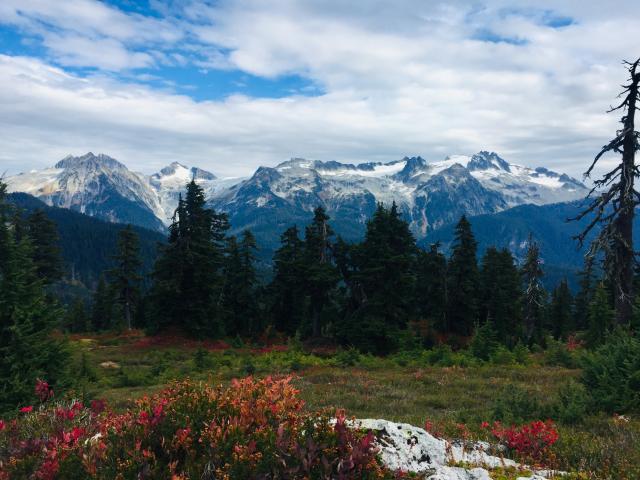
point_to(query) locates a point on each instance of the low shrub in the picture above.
(347, 358)
(252, 429)
(515, 405)
(530, 442)
(559, 354)
(571, 403)
(611, 374)
(503, 356)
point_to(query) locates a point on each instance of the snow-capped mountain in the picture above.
(96, 185)
(429, 194)
(169, 183)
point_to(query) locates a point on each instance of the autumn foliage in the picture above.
(251, 429)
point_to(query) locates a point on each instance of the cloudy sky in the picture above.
(231, 85)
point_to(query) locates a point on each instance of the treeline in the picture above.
(375, 295)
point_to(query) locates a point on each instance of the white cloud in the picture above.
(405, 77)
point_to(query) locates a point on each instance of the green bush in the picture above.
(557, 354)
(571, 403)
(484, 342)
(503, 356)
(521, 353)
(347, 358)
(611, 374)
(515, 405)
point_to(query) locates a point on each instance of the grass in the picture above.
(402, 389)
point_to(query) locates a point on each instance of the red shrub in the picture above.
(252, 429)
(531, 441)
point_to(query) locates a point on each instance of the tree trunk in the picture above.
(624, 252)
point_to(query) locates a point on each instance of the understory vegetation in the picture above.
(452, 394)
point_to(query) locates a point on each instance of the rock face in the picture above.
(412, 449)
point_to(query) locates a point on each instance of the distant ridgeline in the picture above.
(88, 244)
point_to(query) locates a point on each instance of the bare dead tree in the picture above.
(613, 199)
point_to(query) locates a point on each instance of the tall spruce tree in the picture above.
(463, 281)
(102, 308)
(561, 315)
(431, 287)
(125, 277)
(45, 245)
(534, 294)
(601, 316)
(240, 287)
(383, 281)
(76, 319)
(584, 296)
(188, 275)
(321, 274)
(286, 290)
(501, 295)
(28, 316)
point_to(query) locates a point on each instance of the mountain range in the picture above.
(430, 195)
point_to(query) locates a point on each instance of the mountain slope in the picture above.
(88, 244)
(96, 185)
(429, 195)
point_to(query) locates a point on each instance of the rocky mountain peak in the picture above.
(89, 160)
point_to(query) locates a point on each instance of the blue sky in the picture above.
(230, 85)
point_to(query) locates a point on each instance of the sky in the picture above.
(232, 85)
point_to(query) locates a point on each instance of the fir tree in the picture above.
(76, 319)
(240, 287)
(188, 277)
(600, 317)
(46, 251)
(384, 281)
(534, 294)
(463, 281)
(286, 291)
(125, 277)
(584, 296)
(321, 275)
(431, 287)
(102, 311)
(27, 319)
(500, 295)
(561, 311)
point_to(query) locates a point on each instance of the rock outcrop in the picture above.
(412, 449)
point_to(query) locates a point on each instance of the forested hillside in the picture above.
(87, 244)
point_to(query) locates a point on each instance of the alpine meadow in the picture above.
(319, 240)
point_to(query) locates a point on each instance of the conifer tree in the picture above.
(500, 295)
(28, 350)
(102, 311)
(601, 317)
(46, 251)
(584, 296)
(534, 294)
(463, 281)
(431, 287)
(125, 277)
(76, 319)
(240, 289)
(321, 275)
(561, 311)
(615, 201)
(286, 290)
(188, 277)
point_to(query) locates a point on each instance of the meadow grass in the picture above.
(403, 389)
